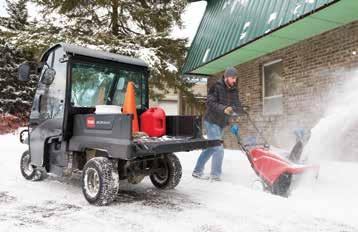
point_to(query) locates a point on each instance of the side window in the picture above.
(272, 88)
(43, 98)
(53, 99)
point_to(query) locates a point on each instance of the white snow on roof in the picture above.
(247, 24)
(243, 35)
(272, 17)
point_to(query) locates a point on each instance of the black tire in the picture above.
(30, 172)
(282, 185)
(170, 175)
(100, 181)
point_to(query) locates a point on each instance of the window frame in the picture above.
(279, 96)
(117, 66)
(46, 96)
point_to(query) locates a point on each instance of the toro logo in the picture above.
(91, 122)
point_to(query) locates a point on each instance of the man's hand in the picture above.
(228, 110)
(234, 119)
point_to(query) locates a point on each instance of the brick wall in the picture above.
(312, 70)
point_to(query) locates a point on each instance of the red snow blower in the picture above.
(276, 172)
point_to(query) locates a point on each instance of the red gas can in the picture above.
(152, 122)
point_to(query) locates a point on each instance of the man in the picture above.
(222, 101)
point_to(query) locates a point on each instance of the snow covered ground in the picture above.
(195, 205)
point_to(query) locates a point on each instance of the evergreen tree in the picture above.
(18, 14)
(15, 97)
(136, 28)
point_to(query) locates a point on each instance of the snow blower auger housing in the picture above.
(276, 172)
(66, 134)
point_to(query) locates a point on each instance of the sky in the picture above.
(2, 7)
(191, 17)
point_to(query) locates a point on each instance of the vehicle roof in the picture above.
(78, 50)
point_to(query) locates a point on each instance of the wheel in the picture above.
(30, 172)
(100, 181)
(170, 173)
(282, 185)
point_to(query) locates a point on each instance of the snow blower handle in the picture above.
(244, 110)
(238, 111)
(235, 130)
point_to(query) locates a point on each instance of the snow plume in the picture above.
(335, 135)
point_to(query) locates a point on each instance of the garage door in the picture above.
(170, 107)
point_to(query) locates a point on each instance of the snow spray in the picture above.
(335, 136)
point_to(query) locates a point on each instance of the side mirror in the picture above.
(24, 72)
(48, 76)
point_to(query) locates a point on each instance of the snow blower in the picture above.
(276, 172)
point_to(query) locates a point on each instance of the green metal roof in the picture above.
(235, 31)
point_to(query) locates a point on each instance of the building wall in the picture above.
(312, 70)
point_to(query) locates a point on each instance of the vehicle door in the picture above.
(47, 114)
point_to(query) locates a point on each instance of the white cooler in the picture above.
(108, 109)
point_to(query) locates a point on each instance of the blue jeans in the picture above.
(217, 153)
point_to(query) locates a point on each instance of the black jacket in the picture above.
(220, 97)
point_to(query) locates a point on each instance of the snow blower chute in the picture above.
(275, 171)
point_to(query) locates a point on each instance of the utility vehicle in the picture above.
(65, 135)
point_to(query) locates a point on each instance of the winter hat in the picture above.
(230, 72)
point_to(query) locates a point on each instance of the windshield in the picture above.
(94, 84)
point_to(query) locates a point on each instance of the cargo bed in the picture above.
(112, 133)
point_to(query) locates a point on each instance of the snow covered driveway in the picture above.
(199, 206)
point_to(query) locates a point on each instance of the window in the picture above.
(91, 84)
(272, 88)
(52, 99)
(121, 88)
(95, 84)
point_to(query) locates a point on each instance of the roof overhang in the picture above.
(332, 16)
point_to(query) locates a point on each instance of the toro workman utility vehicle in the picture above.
(66, 133)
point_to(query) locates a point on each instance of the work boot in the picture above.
(215, 178)
(200, 176)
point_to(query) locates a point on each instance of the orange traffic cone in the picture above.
(129, 106)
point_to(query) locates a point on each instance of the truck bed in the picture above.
(112, 133)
